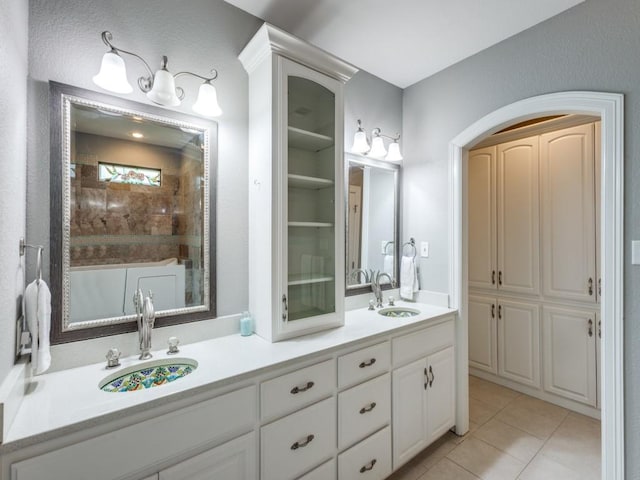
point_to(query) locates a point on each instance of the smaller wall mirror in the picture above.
(373, 192)
(131, 209)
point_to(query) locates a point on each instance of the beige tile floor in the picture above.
(512, 436)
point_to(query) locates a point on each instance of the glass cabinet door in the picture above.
(311, 193)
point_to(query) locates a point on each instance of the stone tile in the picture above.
(511, 440)
(435, 452)
(534, 416)
(485, 461)
(410, 471)
(491, 393)
(445, 469)
(117, 201)
(480, 412)
(543, 468)
(459, 439)
(576, 444)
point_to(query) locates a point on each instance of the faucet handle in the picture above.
(391, 301)
(113, 358)
(372, 303)
(173, 345)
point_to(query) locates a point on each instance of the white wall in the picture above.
(13, 163)
(593, 46)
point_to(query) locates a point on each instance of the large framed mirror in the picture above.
(132, 206)
(373, 222)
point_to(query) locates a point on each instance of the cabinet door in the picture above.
(483, 334)
(518, 217)
(409, 411)
(441, 394)
(568, 214)
(234, 460)
(312, 235)
(482, 218)
(519, 342)
(570, 337)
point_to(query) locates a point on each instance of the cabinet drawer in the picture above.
(369, 459)
(363, 409)
(299, 441)
(298, 389)
(326, 471)
(421, 343)
(206, 422)
(365, 363)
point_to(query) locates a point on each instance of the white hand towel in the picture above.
(30, 309)
(44, 327)
(408, 278)
(387, 266)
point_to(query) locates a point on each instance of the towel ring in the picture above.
(40, 248)
(411, 243)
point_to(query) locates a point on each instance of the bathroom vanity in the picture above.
(323, 406)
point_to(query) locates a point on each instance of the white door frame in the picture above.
(609, 107)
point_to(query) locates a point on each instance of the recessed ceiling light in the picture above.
(137, 135)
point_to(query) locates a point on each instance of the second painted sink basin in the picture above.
(398, 312)
(148, 375)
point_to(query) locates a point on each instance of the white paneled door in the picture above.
(483, 336)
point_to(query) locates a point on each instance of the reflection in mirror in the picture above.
(135, 190)
(372, 220)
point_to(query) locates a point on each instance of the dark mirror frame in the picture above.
(352, 159)
(57, 93)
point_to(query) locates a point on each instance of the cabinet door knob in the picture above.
(599, 328)
(500, 277)
(500, 311)
(366, 468)
(304, 388)
(433, 377)
(493, 310)
(426, 378)
(303, 443)
(493, 277)
(590, 323)
(367, 364)
(590, 284)
(368, 408)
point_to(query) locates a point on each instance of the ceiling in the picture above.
(404, 41)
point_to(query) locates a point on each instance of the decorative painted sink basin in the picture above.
(148, 375)
(398, 312)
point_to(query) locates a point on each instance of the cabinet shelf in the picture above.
(314, 183)
(310, 224)
(302, 279)
(306, 140)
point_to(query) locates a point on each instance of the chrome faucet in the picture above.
(146, 317)
(368, 274)
(377, 288)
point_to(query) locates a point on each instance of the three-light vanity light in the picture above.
(377, 148)
(160, 86)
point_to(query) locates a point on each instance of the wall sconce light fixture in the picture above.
(377, 148)
(160, 86)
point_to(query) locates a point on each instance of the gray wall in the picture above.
(13, 163)
(65, 46)
(593, 46)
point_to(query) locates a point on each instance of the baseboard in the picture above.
(538, 393)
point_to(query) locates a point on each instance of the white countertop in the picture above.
(65, 401)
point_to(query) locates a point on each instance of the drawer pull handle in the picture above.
(304, 443)
(367, 364)
(433, 377)
(295, 390)
(364, 410)
(366, 468)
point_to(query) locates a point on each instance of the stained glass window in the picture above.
(108, 172)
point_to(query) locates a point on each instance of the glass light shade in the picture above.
(164, 89)
(113, 74)
(207, 101)
(377, 148)
(360, 144)
(394, 154)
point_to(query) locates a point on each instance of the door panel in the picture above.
(519, 342)
(518, 216)
(482, 218)
(483, 350)
(441, 394)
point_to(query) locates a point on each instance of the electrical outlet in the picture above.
(424, 249)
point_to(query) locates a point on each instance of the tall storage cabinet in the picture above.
(533, 258)
(296, 198)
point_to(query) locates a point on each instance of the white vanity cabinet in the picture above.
(296, 198)
(423, 390)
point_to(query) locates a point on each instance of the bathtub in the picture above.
(105, 291)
